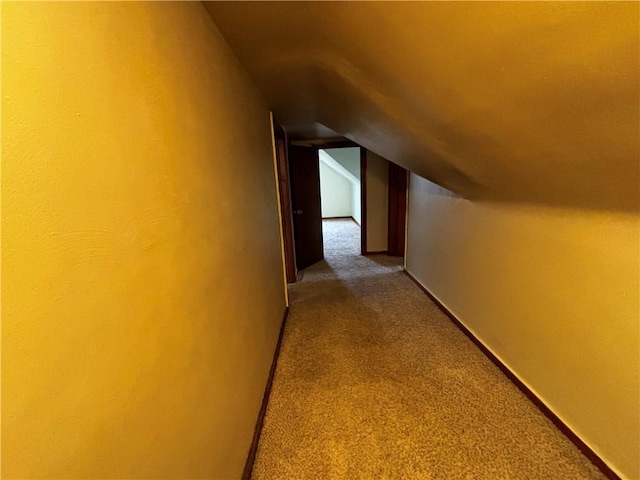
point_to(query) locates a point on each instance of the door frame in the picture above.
(363, 183)
(363, 201)
(281, 149)
(397, 210)
(284, 191)
(397, 207)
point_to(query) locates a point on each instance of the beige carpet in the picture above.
(374, 382)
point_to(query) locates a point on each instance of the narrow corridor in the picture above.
(373, 381)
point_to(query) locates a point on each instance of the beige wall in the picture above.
(139, 312)
(553, 293)
(377, 202)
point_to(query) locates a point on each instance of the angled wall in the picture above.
(518, 102)
(345, 166)
(142, 287)
(348, 157)
(336, 193)
(553, 293)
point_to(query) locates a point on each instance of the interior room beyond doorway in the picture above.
(340, 191)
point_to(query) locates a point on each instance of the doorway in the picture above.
(340, 200)
(381, 218)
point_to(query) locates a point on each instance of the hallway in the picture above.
(147, 210)
(373, 381)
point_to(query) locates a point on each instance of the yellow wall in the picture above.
(553, 293)
(377, 202)
(142, 283)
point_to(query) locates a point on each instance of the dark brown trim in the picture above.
(284, 190)
(363, 201)
(397, 209)
(560, 425)
(325, 143)
(336, 144)
(385, 252)
(253, 449)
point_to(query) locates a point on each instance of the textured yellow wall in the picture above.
(142, 283)
(553, 293)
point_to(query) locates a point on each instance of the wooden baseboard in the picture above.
(377, 253)
(560, 425)
(251, 457)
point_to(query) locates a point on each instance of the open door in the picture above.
(304, 172)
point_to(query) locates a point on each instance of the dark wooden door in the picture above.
(397, 209)
(304, 171)
(282, 164)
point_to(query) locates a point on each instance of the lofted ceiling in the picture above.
(528, 102)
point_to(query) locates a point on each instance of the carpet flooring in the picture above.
(374, 382)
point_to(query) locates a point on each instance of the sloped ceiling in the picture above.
(533, 102)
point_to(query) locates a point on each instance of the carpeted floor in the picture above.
(374, 382)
